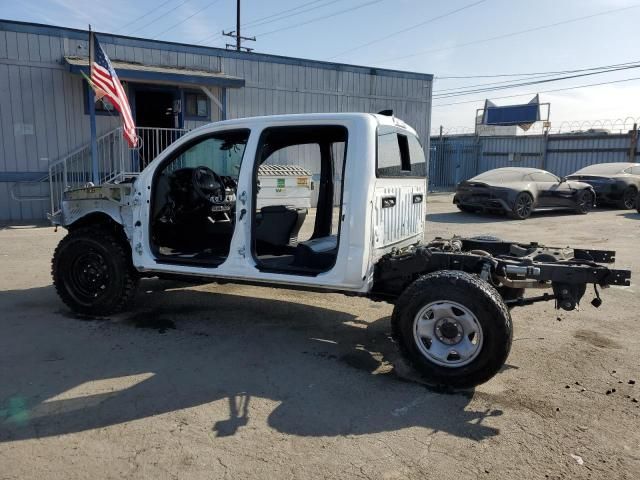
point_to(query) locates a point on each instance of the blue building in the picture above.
(172, 87)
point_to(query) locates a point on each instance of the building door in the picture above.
(157, 114)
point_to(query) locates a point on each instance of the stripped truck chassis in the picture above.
(510, 267)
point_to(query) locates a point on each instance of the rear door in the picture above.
(400, 193)
(551, 191)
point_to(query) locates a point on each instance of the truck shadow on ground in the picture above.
(327, 369)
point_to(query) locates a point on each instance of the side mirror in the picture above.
(563, 179)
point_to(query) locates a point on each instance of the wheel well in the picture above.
(100, 220)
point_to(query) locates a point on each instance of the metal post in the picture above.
(95, 173)
(223, 101)
(545, 143)
(238, 25)
(633, 143)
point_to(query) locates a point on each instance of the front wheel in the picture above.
(454, 328)
(584, 202)
(92, 272)
(522, 207)
(628, 199)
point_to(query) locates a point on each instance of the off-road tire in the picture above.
(518, 213)
(628, 199)
(476, 295)
(584, 202)
(119, 279)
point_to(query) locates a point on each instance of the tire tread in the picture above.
(120, 253)
(465, 280)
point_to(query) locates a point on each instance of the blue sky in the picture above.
(602, 40)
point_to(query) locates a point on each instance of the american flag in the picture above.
(106, 84)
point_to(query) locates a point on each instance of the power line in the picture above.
(512, 34)
(257, 23)
(316, 19)
(155, 9)
(576, 87)
(541, 75)
(286, 10)
(162, 15)
(189, 17)
(263, 20)
(404, 30)
(499, 75)
(528, 83)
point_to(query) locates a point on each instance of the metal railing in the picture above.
(115, 160)
(152, 141)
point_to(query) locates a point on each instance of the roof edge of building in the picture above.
(67, 32)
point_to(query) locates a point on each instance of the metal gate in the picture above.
(451, 162)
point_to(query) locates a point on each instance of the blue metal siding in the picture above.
(559, 154)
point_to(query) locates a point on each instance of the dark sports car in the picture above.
(520, 191)
(614, 183)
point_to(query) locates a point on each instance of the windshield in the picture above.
(603, 169)
(500, 175)
(222, 153)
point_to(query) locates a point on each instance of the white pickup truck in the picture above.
(195, 212)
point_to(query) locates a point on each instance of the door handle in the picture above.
(243, 212)
(417, 198)
(388, 202)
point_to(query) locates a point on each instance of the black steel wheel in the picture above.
(92, 272)
(454, 328)
(584, 202)
(628, 199)
(523, 206)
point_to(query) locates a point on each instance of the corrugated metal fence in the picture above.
(457, 158)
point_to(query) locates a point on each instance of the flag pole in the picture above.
(95, 173)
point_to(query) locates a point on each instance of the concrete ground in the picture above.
(242, 382)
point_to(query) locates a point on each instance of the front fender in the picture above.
(88, 211)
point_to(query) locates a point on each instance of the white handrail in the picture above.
(115, 159)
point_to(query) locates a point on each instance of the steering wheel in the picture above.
(208, 185)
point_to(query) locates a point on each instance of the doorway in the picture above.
(155, 111)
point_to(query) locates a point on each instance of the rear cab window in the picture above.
(400, 154)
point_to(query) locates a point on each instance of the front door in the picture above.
(156, 117)
(552, 192)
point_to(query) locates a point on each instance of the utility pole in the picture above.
(236, 33)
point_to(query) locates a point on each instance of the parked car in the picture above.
(519, 191)
(614, 183)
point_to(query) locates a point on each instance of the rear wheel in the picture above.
(628, 199)
(523, 206)
(638, 203)
(454, 328)
(92, 272)
(584, 202)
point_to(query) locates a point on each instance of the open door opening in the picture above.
(193, 206)
(288, 236)
(156, 117)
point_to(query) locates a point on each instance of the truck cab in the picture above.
(197, 208)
